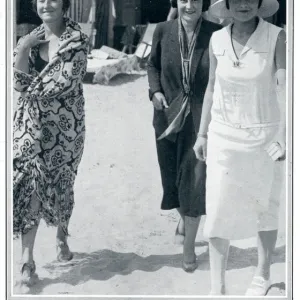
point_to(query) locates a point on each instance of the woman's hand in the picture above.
(277, 148)
(33, 39)
(23, 49)
(159, 101)
(200, 148)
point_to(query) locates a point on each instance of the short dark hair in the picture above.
(66, 5)
(259, 3)
(173, 3)
(205, 7)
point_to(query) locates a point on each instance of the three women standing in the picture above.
(49, 127)
(242, 136)
(178, 74)
(242, 126)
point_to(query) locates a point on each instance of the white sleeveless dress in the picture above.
(244, 185)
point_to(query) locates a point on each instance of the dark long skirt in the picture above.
(183, 176)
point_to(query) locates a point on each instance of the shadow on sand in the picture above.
(104, 264)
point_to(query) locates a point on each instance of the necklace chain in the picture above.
(237, 62)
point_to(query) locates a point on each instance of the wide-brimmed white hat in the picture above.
(267, 9)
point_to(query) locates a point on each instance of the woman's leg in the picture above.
(63, 250)
(28, 239)
(181, 223)
(267, 227)
(65, 196)
(180, 229)
(61, 234)
(218, 256)
(191, 229)
(266, 241)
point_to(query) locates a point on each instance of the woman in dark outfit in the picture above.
(178, 75)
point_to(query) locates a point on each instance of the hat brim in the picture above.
(268, 8)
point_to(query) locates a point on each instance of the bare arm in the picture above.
(280, 62)
(21, 59)
(277, 148)
(22, 77)
(208, 97)
(21, 55)
(200, 147)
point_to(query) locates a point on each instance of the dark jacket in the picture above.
(164, 69)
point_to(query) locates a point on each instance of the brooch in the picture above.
(236, 64)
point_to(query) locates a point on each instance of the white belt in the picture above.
(244, 126)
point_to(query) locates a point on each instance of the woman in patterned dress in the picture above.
(49, 128)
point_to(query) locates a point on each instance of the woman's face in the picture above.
(243, 10)
(50, 10)
(190, 10)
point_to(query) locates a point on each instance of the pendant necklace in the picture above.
(236, 63)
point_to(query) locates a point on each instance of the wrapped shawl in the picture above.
(49, 132)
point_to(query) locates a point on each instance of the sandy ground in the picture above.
(123, 242)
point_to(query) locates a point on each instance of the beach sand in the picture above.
(123, 243)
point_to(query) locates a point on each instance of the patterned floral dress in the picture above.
(49, 132)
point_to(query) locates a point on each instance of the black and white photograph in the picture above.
(149, 149)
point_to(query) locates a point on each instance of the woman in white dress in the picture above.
(242, 136)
